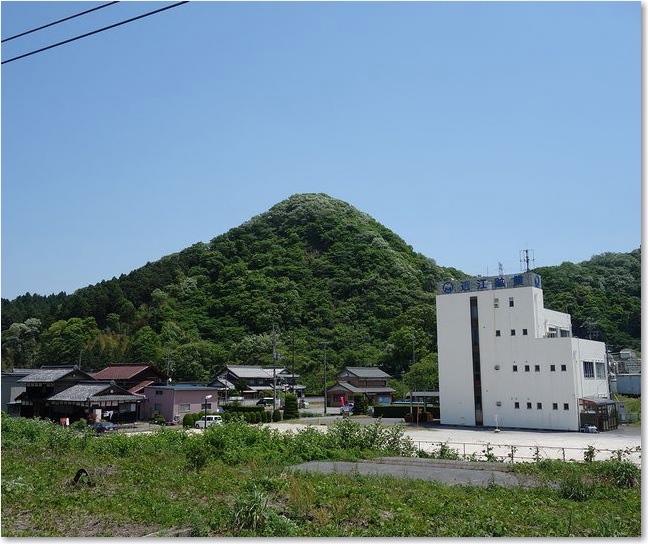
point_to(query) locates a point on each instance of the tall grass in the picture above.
(231, 481)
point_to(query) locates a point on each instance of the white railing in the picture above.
(509, 453)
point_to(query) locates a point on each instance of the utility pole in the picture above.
(413, 361)
(325, 392)
(274, 368)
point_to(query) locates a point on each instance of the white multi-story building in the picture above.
(505, 360)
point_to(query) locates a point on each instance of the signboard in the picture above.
(525, 279)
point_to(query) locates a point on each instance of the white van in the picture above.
(208, 421)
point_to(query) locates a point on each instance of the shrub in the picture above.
(188, 420)
(619, 473)
(290, 407)
(276, 415)
(360, 404)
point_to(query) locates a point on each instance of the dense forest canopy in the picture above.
(322, 275)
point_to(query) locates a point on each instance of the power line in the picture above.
(95, 32)
(57, 22)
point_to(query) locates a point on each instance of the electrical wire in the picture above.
(57, 22)
(94, 32)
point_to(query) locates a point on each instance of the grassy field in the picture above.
(231, 481)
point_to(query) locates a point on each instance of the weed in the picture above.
(589, 454)
(573, 488)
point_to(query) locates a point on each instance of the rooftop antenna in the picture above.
(526, 257)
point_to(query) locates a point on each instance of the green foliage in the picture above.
(603, 296)
(619, 473)
(291, 411)
(231, 481)
(360, 404)
(276, 415)
(573, 488)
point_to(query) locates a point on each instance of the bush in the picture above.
(619, 473)
(290, 407)
(360, 404)
(276, 415)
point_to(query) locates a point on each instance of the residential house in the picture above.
(174, 401)
(360, 380)
(134, 377)
(258, 380)
(95, 400)
(11, 388)
(45, 382)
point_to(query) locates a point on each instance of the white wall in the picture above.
(499, 354)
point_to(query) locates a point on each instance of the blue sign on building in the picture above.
(524, 279)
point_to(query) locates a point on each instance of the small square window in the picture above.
(516, 405)
(511, 303)
(529, 406)
(536, 368)
(539, 406)
(526, 368)
(512, 332)
(525, 332)
(514, 368)
(555, 406)
(566, 406)
(563, 368)
(552, 368)
(498, 333)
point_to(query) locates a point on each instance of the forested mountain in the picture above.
(324, 275)
(603, 296)
(327, 278)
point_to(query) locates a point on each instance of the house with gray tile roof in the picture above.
(360, 380)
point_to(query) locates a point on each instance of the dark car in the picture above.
(265, 401)
(104, 427)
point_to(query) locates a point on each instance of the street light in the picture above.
(207, 397)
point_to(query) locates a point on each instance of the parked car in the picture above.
(346, 409)
(104, 427)
(265, 401)
(208, 420)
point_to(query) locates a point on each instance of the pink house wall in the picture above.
(168, 400)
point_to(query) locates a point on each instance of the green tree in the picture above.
(66, 341)
(146, 345)
(424, 374)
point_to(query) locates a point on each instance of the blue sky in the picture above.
(472, 130)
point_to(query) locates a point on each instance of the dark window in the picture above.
(525, 332)
(526, 368)
(588, 369)
(536, 368)
(528, 406)
(511, 303)
(498, 333)
(566, 406)
(159, 392)
(555, 406)
(563, 368)
(516, 405)
(539, 406)
(552, 368)
(514, 368)
(512, 332)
